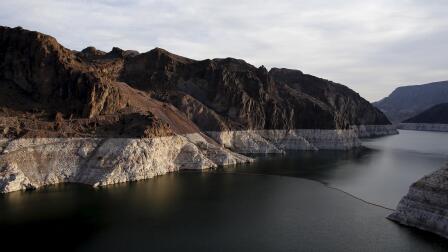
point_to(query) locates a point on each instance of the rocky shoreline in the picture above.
(424, 127)
(30, 163)
(426, 204)
(33, 163)
(101, 118)
(368, 131)
(279, 141)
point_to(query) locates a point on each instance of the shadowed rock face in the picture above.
(408, 101)
(436, 114)
(48, 90)
(347, 106)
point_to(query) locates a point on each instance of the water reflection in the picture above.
(381, 172)
(237, 210)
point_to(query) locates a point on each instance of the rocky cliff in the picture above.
(100, 117)
(432, 119)
(29, 163)
(408, 101)
(426, 204)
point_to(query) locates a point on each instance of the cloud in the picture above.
(370, 46)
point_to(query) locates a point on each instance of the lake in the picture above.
(302, 201)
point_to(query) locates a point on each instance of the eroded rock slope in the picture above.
(426, 204)
(99, 117)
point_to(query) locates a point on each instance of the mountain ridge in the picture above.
(407, 101)
(102, 118)
(210, 95)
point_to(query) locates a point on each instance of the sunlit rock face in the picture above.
(426, 204)
(32, 163)
(100, 118)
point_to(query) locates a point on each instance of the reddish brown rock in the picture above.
(126, 93)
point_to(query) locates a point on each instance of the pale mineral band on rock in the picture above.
(426, 204)
(28, 163)
(424, 126)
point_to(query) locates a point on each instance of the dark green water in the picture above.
(272, 205)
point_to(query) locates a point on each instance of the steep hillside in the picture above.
(408, 101)
(100, 118)
(436, 114)
(40, 77)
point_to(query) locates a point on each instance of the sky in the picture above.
(370, 46)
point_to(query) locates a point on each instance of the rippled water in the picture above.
(241, 208)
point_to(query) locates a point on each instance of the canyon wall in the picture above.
(100, 118)
(30, 163)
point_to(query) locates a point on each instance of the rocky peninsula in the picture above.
(426, 204)
(101, 118)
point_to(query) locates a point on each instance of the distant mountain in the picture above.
(435, 114)
(408, 101)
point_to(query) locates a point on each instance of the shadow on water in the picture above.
(203, 212)
(234, 208)
(315, 165)
(380, 172)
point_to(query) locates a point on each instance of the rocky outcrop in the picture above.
(279, 141)
(40, 79)
(29, 163)
(426, 204)
(99, 117)
(424, 127)
(408, 101)
(368, 131)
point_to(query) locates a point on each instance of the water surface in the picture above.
(381, 172)
(275, 204)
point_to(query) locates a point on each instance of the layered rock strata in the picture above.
(279, 141)
(368, 131)
(32, 163)
(424, 126)
(426, 204)
(100, 118)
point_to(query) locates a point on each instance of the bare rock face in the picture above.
(369, 131)
(30, 163)
(40, 78)
(280, 141)
(99, 117)
(13, 179)
(426, 204)
(348, 108)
